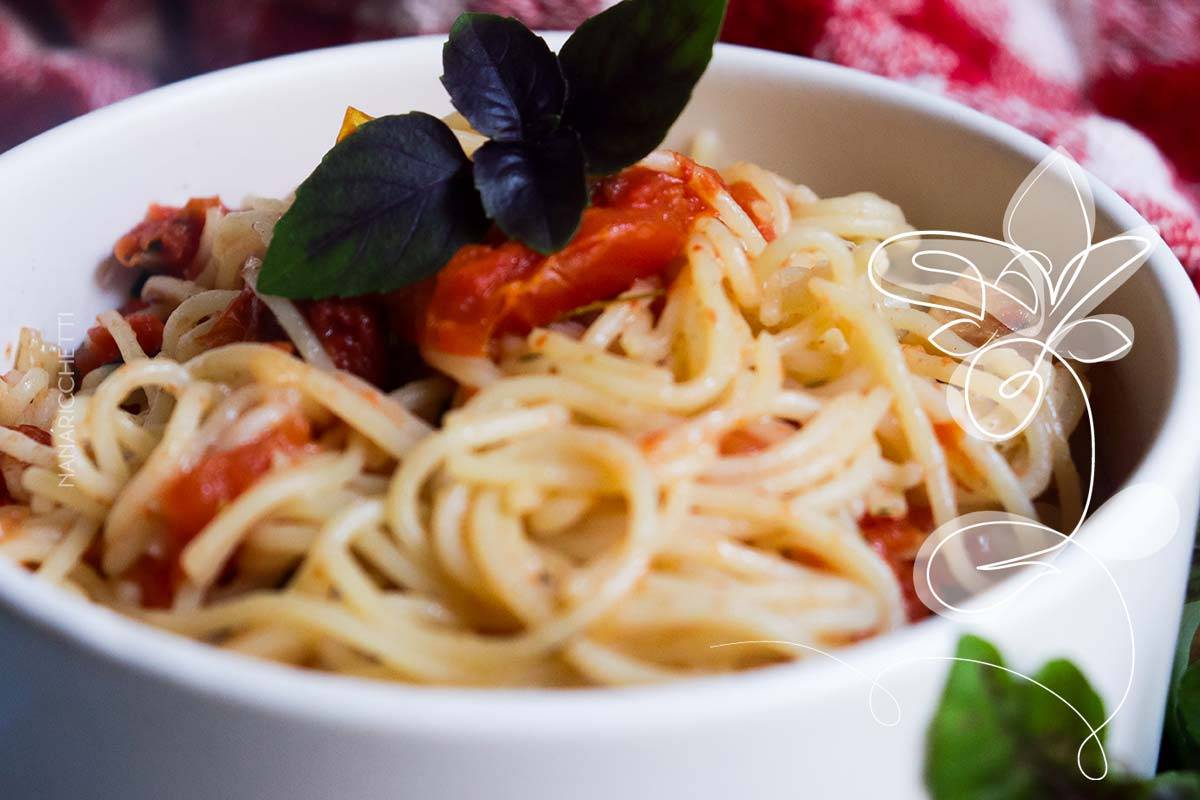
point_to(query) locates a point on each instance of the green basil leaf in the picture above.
(1193, 585)
(974, 743)
(503, 78)
(1187, 709)
(1057, 729)
(1183, 718)
(1172, 786)
(535, 192)
(386, 207)
(630, 72)
(1000, 736)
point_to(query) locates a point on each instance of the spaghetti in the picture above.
(739, 444)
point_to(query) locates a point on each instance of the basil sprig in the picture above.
(1000, 736)
(390, 204)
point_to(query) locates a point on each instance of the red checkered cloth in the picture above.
(1115, 82)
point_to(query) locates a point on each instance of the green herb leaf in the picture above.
(1059, 731)
(999, 735)
(1183, 701)
(535, 192)
(386, 207)
(1171, 786)
(973, 741)
(600, 305)
(1193, 585)
(1004, 737)
(503, 78)
(1187, 710)
(630, 72)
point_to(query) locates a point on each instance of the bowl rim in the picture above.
(363, 704)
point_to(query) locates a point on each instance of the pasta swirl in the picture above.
(695, 462)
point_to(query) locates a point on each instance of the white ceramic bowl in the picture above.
(93, 705)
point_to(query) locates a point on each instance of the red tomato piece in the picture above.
(167, 239)
(406, 309)
(246, 319)
(156, 579)
(897, 540)
(636, 228)
(157, 575)
(193, 498)
(132, 305)
(353, 333)
(100, 347)
(39, 435)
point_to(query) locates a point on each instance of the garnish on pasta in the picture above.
(390, 207)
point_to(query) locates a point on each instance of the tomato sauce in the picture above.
(193, 498)
(950, 436)
(947, 433)
(755, 205)
(897, 540)
(740, 443)
(747, 441)
(635, 228)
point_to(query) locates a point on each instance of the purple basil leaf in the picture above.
(535, 192)
(503, 78)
